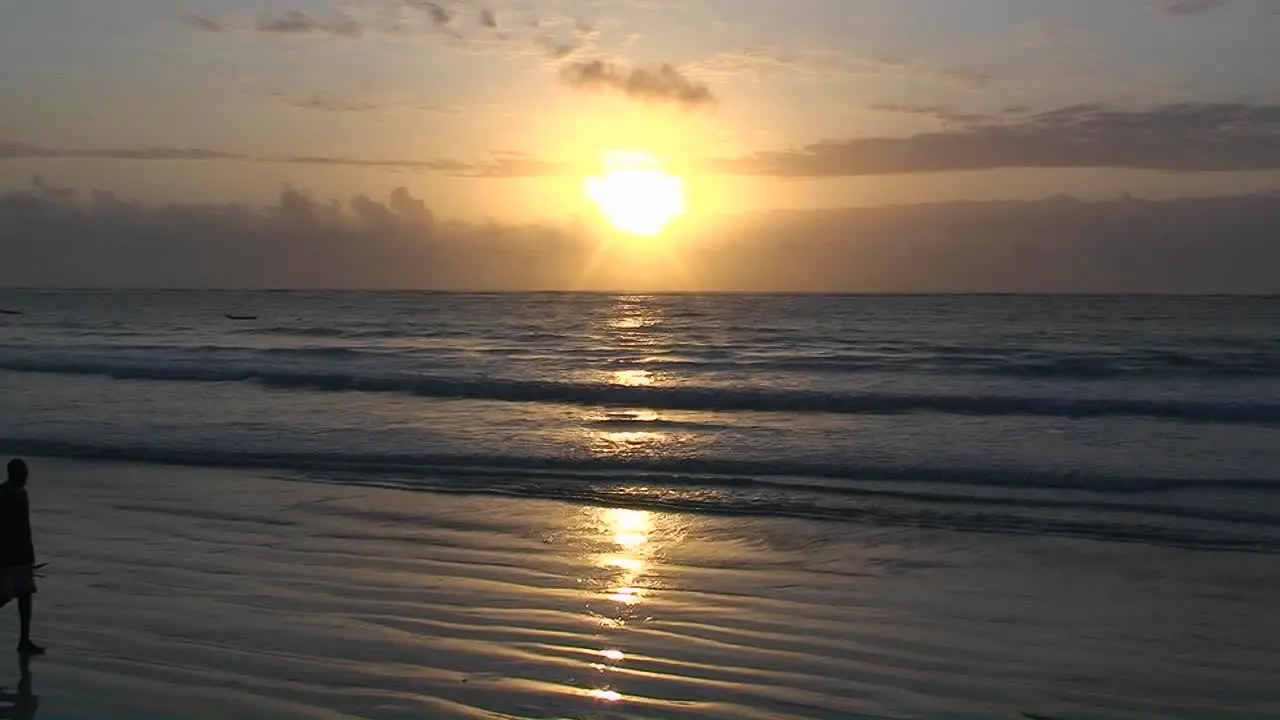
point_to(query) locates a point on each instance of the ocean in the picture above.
(1139, 419)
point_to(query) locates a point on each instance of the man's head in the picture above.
(17, 472)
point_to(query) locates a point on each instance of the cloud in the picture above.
(505, 164)
(1209, 137)
(325, 102)
(436, 165)
(28, 151)
(518, 165)
(965, 79)
(818, 64)
(1192, 245)
(661, 84)
(943, 115)
(296, 22)
(1180, 137)
(488, 19)
(298, 241)
(1190, 7)
(52, 236)
(203, 22)
(442, 18)
(10, 150)
(328, 103)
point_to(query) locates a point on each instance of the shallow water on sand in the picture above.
(202, 593)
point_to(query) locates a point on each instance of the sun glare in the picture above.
(635, 194)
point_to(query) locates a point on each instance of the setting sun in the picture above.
(635, 194)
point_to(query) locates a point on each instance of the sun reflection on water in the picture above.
(633, 438)
(630, 531)
(630, 323)
(606, 695)
(633, 378)
(624, 549)
(637, 322)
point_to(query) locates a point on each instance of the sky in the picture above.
(411, 143)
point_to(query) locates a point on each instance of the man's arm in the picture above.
(27, 544)
(8, 527)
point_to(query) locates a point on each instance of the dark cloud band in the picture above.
(52, 236)
(1182, 137)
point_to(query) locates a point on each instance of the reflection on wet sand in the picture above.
(625, 549)
(23, 704)
(606, 695)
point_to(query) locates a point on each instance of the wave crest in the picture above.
(693, 398)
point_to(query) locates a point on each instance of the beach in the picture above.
(408, 505)
(192, 592)
(666, 359)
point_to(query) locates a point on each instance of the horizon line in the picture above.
(618, 292)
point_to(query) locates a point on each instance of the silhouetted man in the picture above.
(17, 551)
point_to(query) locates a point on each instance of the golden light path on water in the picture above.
(629, 545)
(635, 328)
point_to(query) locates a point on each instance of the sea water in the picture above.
(1136, 419)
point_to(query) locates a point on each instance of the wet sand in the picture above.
(176, 592)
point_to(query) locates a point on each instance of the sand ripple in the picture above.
(208, 594)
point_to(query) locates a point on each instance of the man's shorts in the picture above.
(16, 581)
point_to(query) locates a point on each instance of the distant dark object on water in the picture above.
(230, 316)
(4, 311)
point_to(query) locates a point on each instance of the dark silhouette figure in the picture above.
(23, 704)
(17, 551)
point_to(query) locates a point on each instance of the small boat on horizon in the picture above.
(233, 316)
